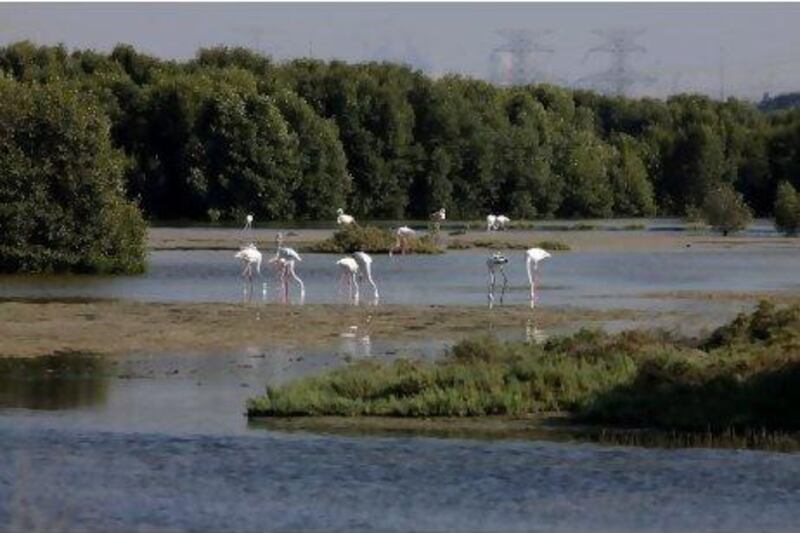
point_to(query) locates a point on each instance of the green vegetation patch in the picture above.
(371, 239)
(744, 375)
(550, 245)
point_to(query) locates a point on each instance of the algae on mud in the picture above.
(745, 375)
(34, 328)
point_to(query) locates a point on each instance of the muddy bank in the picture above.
(552, 427)
(31, 328)
(591, 240)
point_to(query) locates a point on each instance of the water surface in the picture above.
(590, 279)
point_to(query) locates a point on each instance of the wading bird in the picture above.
(494, 263)
(285, 259)
(342, 219)
(348, 272)
(491, 222)
(365, 271)
(533, 256)
(437, 217)
(251, 261)
(248, 227)
(403, 235)
(501, 221)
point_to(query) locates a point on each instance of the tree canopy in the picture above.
(232, 131)
(61, 184)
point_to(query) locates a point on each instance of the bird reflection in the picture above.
(534, 335)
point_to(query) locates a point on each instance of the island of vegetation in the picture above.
(743, 376)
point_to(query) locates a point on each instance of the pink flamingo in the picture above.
(365, 271)
(285, 259)
(348, 272)
(251, 261)
(403, 235)
(494, 263)
(342, 219)
(533, 256)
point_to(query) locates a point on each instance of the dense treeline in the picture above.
(61, 183)
(233, 132)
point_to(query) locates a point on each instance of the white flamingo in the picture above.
(365, 271)
(437, 217)
(491, 222)
(342, 219)
(404, 235)
(285, 258)
(248, 227)
(494, 263)
(348, 272)
(501, 221)
(533, 256)
(251, 261)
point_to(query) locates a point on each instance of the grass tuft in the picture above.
(371, 239)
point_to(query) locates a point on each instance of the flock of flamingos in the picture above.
(357, 266)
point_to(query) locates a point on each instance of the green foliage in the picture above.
(747, 375)
(371, 239)
(633, 192)
(235, 132)
(61, 191)
(787, 209)
(724, 209)
(553, 246)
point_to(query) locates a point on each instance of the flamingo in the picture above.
(285, 258)
(501, 221)
(251, 259)
(248, 225)
(348, 271)
(534, 255)
(365, 271)
(491, 222)
(496, 262)
(403, 234)
(437, 217)
(342, 219)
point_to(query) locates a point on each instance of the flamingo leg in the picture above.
(297, 279)
(490, 291)
(505, 284)
(375, 294)
(354, 283)
(285, 284)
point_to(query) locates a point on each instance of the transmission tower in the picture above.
(619, 77)
(514, 61)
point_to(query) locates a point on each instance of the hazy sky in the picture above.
(743, 49)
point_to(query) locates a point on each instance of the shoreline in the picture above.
(608, 240)
(548, 427)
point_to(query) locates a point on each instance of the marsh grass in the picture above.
(371, 239)
(744, 376)
(492, 244)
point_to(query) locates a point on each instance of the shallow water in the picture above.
(149, 447)
(587, 279)
(162, 442)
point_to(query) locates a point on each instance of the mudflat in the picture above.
(590, 240)
(32, 328)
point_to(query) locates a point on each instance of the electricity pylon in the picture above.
(620, 76)
(514, 61)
